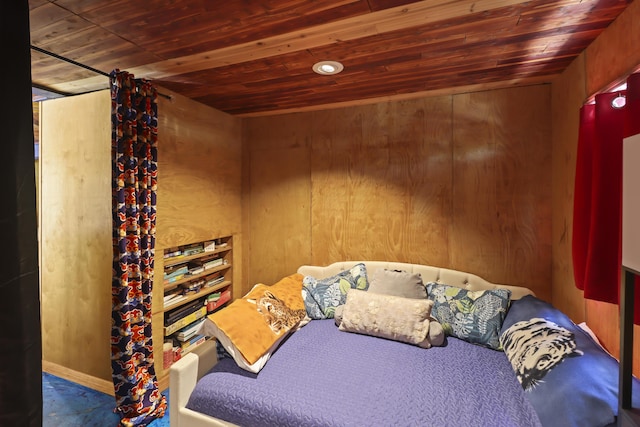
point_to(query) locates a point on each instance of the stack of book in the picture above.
(207, 262)
(195, 341)
(213, 279)
(217, 299)
(189, 337)
(193, 249)
(173, 253)
(184, 315)
(189, 331)
(175, 273)
(173, 298)
(195, 268)
(192, 287)
(211, 262)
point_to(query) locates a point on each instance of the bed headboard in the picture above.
(429, 274)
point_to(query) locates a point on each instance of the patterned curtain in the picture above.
(597, 209)
(134, 124)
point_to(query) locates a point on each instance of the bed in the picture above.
(476, 353)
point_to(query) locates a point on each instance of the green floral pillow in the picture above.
(322, 296)
(473, 316)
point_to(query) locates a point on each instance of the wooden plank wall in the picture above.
(199, 188)
(75, 233)
(457, 181)
(568, 94)
(608, 60)
(199, 193)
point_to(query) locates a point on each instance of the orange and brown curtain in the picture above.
(597, 215)
(134, 121)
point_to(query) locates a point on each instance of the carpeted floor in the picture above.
(67, 404)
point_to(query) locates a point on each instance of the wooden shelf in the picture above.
(224, 272)
(190, 277)
(184, 259)
(199, 294)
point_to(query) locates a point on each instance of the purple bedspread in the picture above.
(324, 377)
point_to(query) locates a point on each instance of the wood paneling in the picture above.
(278, 208)
(75, 223)
(615, 53)
(404, 181)
(502, 186)
(250, 58)
(199, 188)
(568, 94)
(199, 164)
(380, 176)
(199, 193)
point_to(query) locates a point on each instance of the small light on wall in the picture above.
(619, 101)
(327, 68)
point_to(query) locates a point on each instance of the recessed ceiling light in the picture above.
(327, 68)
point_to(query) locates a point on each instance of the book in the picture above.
(224, 298)
(173, 299)
(183, 311)
(213, 276)
(214, 296)
(192, 286)
(195, 268)
(198, 343)
(175, 271)
(193, 249)
(213, 282)
(171, 295)
(189, 331)
(181, 323)
(208, 262)
(194, 341)
(172, 253)
(212, 263)
(173, 279)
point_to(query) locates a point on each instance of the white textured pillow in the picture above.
(386, 316)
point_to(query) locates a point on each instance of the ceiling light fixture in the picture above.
(327, 68)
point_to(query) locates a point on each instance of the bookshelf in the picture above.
(197, 280)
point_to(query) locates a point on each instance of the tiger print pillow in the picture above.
(569, 379)
(535, 346)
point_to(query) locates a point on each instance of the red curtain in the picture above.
(597, 214)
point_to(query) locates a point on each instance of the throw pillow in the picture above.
(473, 316)
(387, 316)
(569, 379)
(322, 296)
(252, 327)
(398, 282)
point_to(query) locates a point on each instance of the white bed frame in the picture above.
(185, 373)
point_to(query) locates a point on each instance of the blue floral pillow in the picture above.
(321, 297)
(473, 316)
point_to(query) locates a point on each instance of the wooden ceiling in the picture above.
(249, 57)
